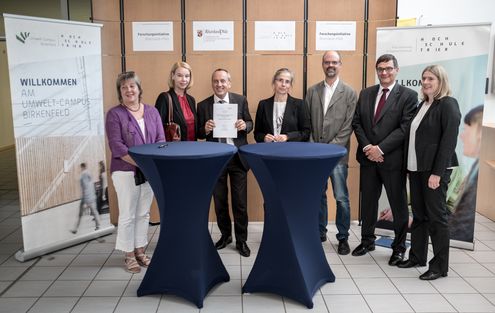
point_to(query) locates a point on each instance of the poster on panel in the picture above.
(213, 35)
(152, 36)
(463, 51)
(275, 35)
(57, 106)
(335, 35)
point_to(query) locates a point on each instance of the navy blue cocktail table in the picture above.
(182, 175)
(291, 261)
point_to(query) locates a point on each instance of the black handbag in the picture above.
(172, 130)
(139, 177)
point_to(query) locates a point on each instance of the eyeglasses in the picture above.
(334, 63)
(385, 69)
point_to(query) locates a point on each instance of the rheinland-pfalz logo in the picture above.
(22, 36)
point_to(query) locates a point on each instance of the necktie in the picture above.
(222, 140)
(380, 105)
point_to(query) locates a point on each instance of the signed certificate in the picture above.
(225, 116)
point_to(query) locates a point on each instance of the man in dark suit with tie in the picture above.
(236, 169)
(382, 116)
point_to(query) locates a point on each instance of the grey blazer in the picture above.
(336, 125)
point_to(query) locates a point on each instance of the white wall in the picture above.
(454, 12)
(447, 11)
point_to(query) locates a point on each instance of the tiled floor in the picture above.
(89, 277)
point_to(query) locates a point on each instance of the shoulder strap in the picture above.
(170, 109)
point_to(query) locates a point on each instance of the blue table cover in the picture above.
(182, 175)
(291, 261)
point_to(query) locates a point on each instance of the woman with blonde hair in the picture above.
(431, 143)
(180, 80)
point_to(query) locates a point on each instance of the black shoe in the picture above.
(323, 237)
(343, 248)
(223, 242)
(362, 249)
(408, 264)
(243, 248)
(430, 275)
(396, 258)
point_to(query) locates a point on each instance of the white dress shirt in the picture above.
(329, 91)
(379, 95)
(278, 116)
(412, 161)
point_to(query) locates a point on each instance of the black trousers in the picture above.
(372, 178)
(238, 193)
(431, 215)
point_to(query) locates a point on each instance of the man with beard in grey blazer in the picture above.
(331, 104)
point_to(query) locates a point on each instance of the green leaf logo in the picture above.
(22, 36)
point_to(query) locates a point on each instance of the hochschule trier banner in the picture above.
(463, 51)
(57, 107)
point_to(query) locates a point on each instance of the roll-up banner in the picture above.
(463, 51)
(57, 107)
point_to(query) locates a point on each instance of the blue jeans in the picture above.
(341, 195)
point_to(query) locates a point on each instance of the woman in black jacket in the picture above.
(281, 117)
(431, 156)
(183, 104)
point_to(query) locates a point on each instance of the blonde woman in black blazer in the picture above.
(180, 80)
(431, 143)
(281, 117)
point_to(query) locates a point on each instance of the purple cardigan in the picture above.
(123, 132)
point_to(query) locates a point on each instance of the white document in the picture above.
(153, 36)
(213, 36)
(275, 35)
(335, 35)
(225, 116)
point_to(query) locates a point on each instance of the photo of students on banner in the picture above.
(102, 190)
(93, 198)
(461, 222)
